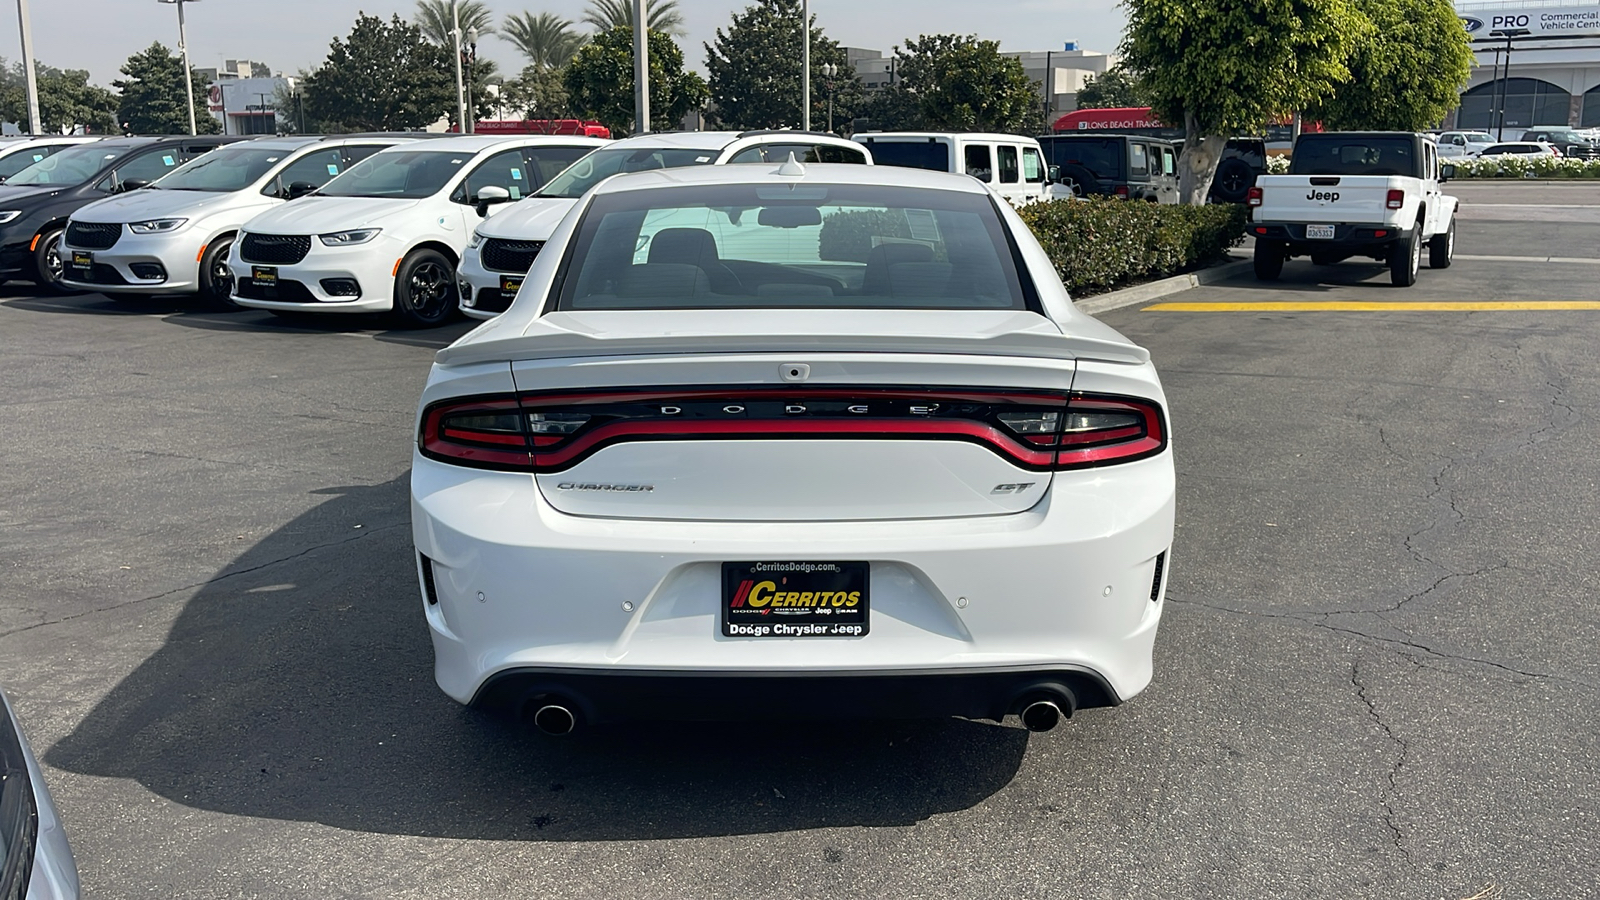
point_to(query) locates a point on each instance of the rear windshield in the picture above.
(399, 174)
(602, 164)
(1345, 155)
(790, 246)
(1101, 156)
(222, 170)
(71, 166)
(931, 155)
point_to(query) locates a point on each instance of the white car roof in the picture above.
(719, 140)
(825, 173)
(867, 136)
(477, 143)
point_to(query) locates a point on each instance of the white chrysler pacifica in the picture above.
(792, 441)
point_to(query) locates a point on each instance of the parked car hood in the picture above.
(149, 203)
(532, 219)
(319, 215)
(27, 193)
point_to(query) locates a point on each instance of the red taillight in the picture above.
(1253, 198)
(1122, 191)
(1555, 151)
(1381, 232)
(552, 432)
(1397, 198)
(1261, 230)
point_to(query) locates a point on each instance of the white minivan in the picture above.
(1012, 165)
(387, 235)
(174, 236)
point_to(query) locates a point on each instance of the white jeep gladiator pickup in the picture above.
(1356, 194)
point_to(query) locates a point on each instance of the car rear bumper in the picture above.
(1345, 234)
(521, 599)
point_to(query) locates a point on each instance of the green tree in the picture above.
(1116, 88)
(599, 81)
(66, 100)
(539, 93)
(433, 17)
(386, 76)
(661, 15)
(754, 70)
(1226, 67)
(892, 108)
(480, 75)
(1408, 72)
(547, 40)
(151, 100)
(964, 84)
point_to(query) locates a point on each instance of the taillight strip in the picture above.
(689, 429)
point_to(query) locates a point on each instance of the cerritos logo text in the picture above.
(765, 596)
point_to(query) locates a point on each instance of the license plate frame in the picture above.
(1319, 232)
(81, 262)
(510, 284)
(264, 276)
(796, 599)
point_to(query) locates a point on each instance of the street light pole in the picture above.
(641, 68)
(1505, 91)
(455, 37)
(828, 71)
(27, 63)
(805, 65)
(471, 121)
(188, 73)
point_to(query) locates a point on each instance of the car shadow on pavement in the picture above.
(1300, 276)
(297, 684)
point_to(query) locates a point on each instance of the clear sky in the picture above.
(292, 34)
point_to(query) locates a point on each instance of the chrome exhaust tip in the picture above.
(1041, 715)
(553, 719)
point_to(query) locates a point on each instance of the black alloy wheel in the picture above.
(216, 276)
(425, 290)
(47, 264)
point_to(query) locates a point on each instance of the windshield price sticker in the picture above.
(794, 599)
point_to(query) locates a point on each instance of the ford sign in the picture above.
(1472, 24)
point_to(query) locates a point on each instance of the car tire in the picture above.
(1405, 258)
(1233, 181)
(1080, 180)
(1268, 260)
(216, 278)
(425, 293)
(47, 266)
(1442, 248)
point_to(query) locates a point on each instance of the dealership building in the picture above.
(1538, 65)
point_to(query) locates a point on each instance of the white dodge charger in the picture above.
(792, 442)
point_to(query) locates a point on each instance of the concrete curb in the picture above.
(1154, 290)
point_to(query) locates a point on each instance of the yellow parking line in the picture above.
(1375, 306)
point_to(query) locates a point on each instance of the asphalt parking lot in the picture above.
(1377, 678)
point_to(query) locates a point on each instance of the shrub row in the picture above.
(1099, 244)
(1526, 167)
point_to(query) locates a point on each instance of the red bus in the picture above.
(579, 127)
(1138, 120)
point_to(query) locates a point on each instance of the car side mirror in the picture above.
(488, 196)
(132, 184)
(1446, 172)
(1055, 174)
(298, 189)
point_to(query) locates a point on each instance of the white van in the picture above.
(1010, 164)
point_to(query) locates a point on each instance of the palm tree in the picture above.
(547, 40)
(433, 17)
(663, 15)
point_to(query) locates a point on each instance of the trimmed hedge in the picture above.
(1098, 244)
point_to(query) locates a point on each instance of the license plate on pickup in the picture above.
(794, 599)
(264, 276)
(509, 285)
(82, 264)
(1319, 232)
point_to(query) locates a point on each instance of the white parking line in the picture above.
(1531, 259)
(1533, 205)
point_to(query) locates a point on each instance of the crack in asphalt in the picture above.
(1393, 790)
(1409, 642)
(212, 580)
